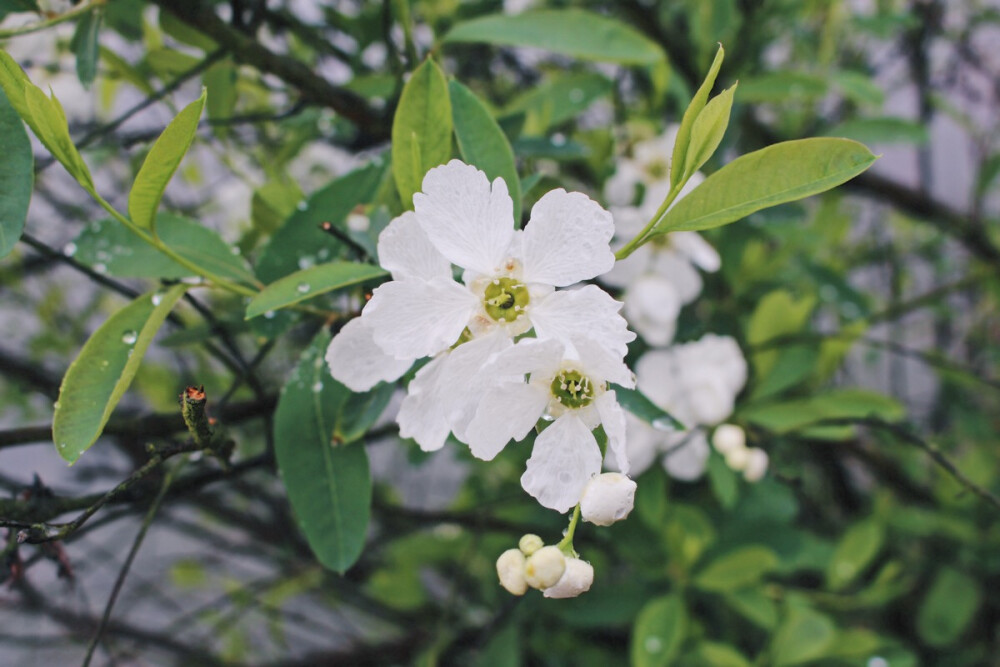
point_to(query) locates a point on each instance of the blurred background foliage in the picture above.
(868, 316)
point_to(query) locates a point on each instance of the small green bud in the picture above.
(529, 544)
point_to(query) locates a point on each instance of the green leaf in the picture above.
(307, 283)
(160, 164)
(659, 631)
(782, 87)
(481, 141)
(788, 416)
(723, 480)
(708, 130)
(86, 47)
(638, 404)
(856, 549)
(17, 174)
(683, 140)
(712, 654)
(558, 100)
(329, 485)
(15, 6)
(48, 120)
(948, 608)
(110, 248)
(421, 129)
(774, 175)
(883, 130)
(220, 82)
(737, 569)
(755, 606)
(101, 374)
(572, 32)
(777, 314)
(804, 635)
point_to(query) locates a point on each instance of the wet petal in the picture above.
(405, 250)
(567, 240)
(564, 459)
(417, 318)
(357, 362)
(507, 412)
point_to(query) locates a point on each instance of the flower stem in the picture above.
(566, 545)
(640, 238)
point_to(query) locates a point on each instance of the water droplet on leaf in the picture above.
(302, 288)
(129, 337)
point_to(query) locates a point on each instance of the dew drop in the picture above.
(129, 337)
(55, 406)
(235, 251)
(664, 424)
(102, 256)
(576, 95)
(306, 263)
(69, 249)
(104, 363)
(302, 206)
(318, 387)
(558, 139)
(269, 315)
(302, 288)
(157, 299)
(100, 268)
(653, 645)
(877, 661)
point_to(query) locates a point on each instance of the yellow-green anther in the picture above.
(505, 299)
(572, 389)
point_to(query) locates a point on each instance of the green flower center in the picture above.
(573, 389)
(658, 169)
(505, 299)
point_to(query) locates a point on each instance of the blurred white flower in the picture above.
(576, 579)
(607, 498)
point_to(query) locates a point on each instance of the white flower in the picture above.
(756, 465)
(545, 567)
(507, 288)
(577, 579)
(729, 437)
(695, 382)
(607, 498)
(510, 571)
(568, 384)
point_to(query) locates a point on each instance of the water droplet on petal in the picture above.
(129, 337)
(69, 249)
(302, 288)
(664, 424)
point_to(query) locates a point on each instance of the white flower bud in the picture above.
(607, 498)
(756, 464)
(529, 544)
(737, 458)
(728, 437)
(577, 578)
(544, 567)
(510, 569)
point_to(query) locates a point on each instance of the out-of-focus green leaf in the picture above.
(307, 283)
(782, 87)
(15, 6)
(803, 635)
(754, 605)
(638, 404)
(573, 32)
(737, 569)
(328, 483)
(777, 314)
(101, 374)
(111, 249)
(86, 47)
(559, 99)
(220, 82)
(724, 481)
(659, 631)
(856, 549)
(859, 87)
(17, 174)
(948, 608)
(788, 416)
(160, 164)
(884, 130)
(481, 141)
(712, 654)
(421, 129)
(770, 176)
(708, 130)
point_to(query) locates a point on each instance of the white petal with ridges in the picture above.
(613, 420)
(357, 362)
(687, 455)
(507, 412)
(569, 315)
(566, 240)
(563, 460)
(416, 318)
(467, 220)
(405, 251)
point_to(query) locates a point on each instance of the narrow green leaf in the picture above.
(881, 130)
(482, 142)
(856, 549)
(111, 249)
(774, 175)
(639, 404)
(708, 130)
(777, 314)
(691, 114)
(13, 80)
(160, 164)
(558, 100)
(17, 174)
(659, 631)
(737, 569)
(48, 121)
(573, 32)
(311, 282)
(85, 45)
(788, 416)
(755, 606)
(101, 374)
(949, 607)
(782, 87)
(329, 485)
(421, 129)
(723, 480)
(711, 654)
(220, 81)
(804, 635)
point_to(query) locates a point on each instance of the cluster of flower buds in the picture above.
(546, 568)
(731, 441)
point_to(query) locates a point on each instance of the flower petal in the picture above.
(506, 412)
(564, 459)
(567, 240)
(417, 318)
(467, 222)
(675, 267)
(357, 362)
(652, 306)
(687, 457)
(569, 315)
(642, 444)
(602, 364)
(696, 249)
(421, 416)
(541, 356)
(405, 250)
(613, 420)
